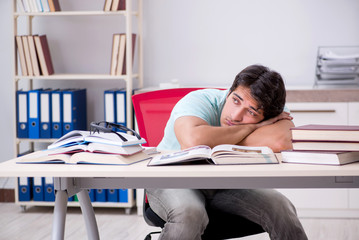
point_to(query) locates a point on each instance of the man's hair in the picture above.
(266, 87)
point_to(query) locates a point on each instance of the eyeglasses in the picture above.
(108, 127)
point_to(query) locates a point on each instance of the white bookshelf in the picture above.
(123, 15)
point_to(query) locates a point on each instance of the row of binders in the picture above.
(42, 189)
(115, 106)
(34, 55)
(118, 55)
(36, 6)
(50, 113)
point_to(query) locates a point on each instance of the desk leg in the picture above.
(60, 209)
(89, 215)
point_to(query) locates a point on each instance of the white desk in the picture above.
(75, 179)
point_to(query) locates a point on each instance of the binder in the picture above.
(74, 110)
(123, 195)
(34, 113)
(110, 105)
(100, 195)
(112, 195)
(91, 194)
(45, 113)
(38, 189)
(121, 107)
(49, 192)
(56, 105)
(22, 98)
(25, 188)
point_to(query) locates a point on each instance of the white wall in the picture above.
(200, 42)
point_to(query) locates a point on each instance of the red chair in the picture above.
(152, 111)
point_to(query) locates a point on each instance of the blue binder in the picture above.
(112, 195)
(45, 113)
(91, 194)
(100, 195)
(22, 98)
(56, 103)
(34, 113)
(110, 105)
(123, 195)
(25, 188)
(121, 107)
(38, 189)
(74, 110)
(49, 192)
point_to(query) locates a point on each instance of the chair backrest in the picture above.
(153, 110)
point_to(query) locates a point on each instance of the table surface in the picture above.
(11, 169)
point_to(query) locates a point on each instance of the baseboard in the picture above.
(7, 195)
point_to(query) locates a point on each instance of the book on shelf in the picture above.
(44, 56)
(316, 132)
(114, 5)
(54, 5)
(21, 53)
(80, 137)
(325, 145)
(319, 157)
(33, 55)
(118, 54)
(25, 44)
(42, 157)
(224, 154)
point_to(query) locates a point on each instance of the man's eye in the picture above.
(252, 113)
(235, 100)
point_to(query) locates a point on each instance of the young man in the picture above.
(249, 113)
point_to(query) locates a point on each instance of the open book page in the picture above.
(233, 154)
(188, 155)
(43, 157)
(79, 137)
(107, 159)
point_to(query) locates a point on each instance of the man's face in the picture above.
(240, 108)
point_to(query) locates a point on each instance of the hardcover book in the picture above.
(320, 157)
(326, 133)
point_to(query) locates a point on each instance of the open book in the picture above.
(80, 137)
(220, 155)
(83, 158)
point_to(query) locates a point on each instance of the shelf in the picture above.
(39, 140)
(76, 77)
(74, 13)
(77, 204)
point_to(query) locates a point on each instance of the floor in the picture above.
(36, 223)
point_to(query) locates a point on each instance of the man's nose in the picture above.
(238, 114)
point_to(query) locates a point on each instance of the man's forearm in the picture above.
(277, 136)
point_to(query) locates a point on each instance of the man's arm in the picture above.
(192, 131)
(277, 136)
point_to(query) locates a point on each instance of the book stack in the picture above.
(118, 56)
(114, 5)
(34, 55)
(37, 6)
(86, 147)
(324, 144)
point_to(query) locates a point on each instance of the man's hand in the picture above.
(275, 133)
